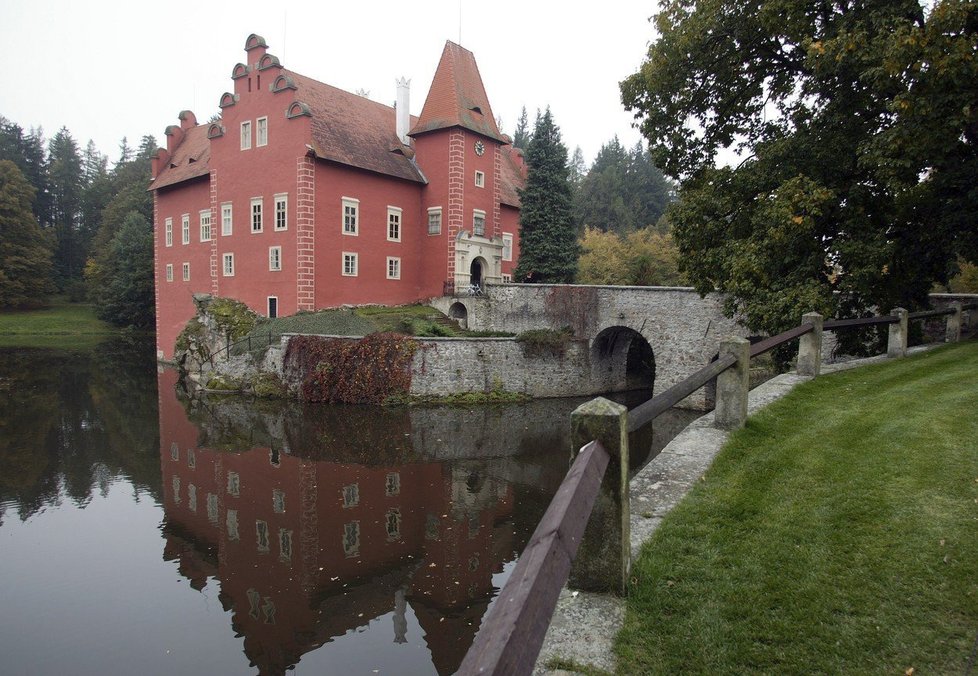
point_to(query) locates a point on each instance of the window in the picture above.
(394, 524)
(226, 219)
(174, 451)
(507, 246)
(192, 497)
(349, 264)
(351, 538)
(169, 232)
(351, 208)
(507, 278)
(261, 535)
(176, 489)
(393, 224)
(479, 223)
(272, 314)
(186, 272)
(480, 179)
(205, 225)
(284, 545)
(234, 484)
(256, 203)
(261, 133)
(281, 212)
(169, 272)
(274, 258)
(393, 484)
(232, 524)
(278, 501)
(393, 268)
(434, 221)
(246, 135)
(185, 229)
(351, 495)
(212, 508)
(229, 265)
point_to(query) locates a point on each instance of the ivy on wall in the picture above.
(365, 371)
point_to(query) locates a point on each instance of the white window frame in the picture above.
(350, 270)
(392, 486)
(169, 272)
(281, 212)
(476, 215)
(186, 272)
(259, 203)
(227, 220)
(434, 211)
(261, 535)
(234, 484)
(246, 135)
(480, 179)
(274, 259)
(394, 224)
(507, 279)
(231, 520)
(351, 495)
(261, 131)
(507, 246)
(393, 267)
(350, 219)
(206, 226)
(185, 229)
(268, 309)
(168, 229)
(227, 264)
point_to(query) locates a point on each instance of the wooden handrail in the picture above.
(645, 413)
(769, 344)
(859, 321)
(513, 631)
(924, 314)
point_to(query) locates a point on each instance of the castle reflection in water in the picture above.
(317, 522)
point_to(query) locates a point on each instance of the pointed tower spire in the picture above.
(457, 97)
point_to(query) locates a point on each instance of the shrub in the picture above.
(543, 343)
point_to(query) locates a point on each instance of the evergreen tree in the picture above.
(25, 250)
(96, 192)
(548, 242)
(27, 152)
(521, 137)
(65, 176)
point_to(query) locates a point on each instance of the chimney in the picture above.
(402, 110)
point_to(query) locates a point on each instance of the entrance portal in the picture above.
(475, 275)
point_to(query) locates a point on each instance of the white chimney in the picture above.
(402, 110)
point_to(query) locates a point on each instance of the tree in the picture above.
(521, 137)
(643, 257)
(25, 250)
(548, 245)
(27, 152)
(622, 191)
(65, 181)
(127, 298)
(856, 127)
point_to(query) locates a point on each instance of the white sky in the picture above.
(112, 68)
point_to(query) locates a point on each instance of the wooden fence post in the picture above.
(953, 333)
(604, 558)
(733, 385)
(810, 346)
(897, 344)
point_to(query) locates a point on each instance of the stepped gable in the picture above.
(190, 159)
(353, 130)
(457, 97)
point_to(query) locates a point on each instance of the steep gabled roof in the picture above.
(513, 176)
(190, 159)
(457, 97)
(353, 130)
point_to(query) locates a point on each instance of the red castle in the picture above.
(303, 196)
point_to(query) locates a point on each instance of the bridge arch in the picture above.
(622, 359)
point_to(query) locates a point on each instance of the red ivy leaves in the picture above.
(365, 371)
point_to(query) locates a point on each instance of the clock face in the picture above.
(480, 148)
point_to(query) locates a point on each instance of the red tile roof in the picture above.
(513, 176)
(457, 97)
(353, 130)
(190, 159)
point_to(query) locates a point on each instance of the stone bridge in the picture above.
(636, 336)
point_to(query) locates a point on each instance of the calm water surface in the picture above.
(142, 532)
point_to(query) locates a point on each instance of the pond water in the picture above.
(142, 532)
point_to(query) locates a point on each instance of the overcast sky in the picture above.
(111, 68)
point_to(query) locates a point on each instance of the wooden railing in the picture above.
(512, 634)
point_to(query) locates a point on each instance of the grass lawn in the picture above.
(62, 324)
(836, 533)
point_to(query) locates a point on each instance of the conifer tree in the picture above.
(25, 250)
(548, 241)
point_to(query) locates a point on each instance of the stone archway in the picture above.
(622, 359)
(460, 314)
(477, 274)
